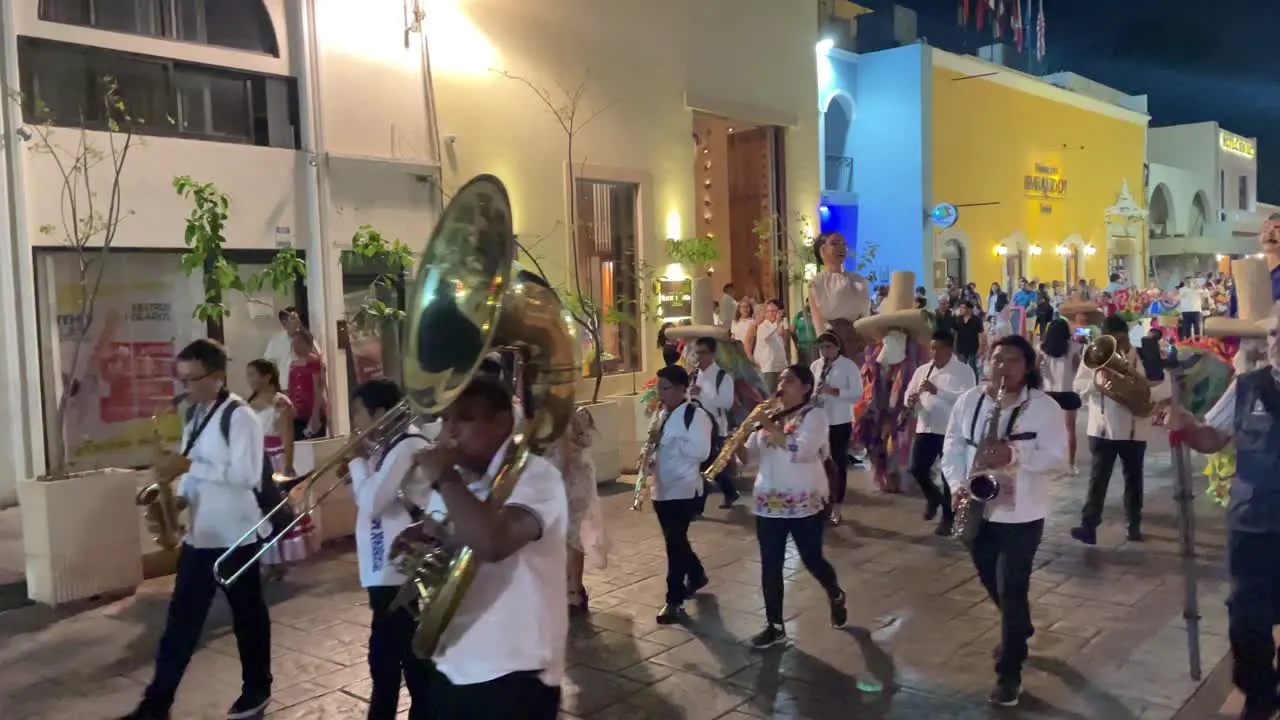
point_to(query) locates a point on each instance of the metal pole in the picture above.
(1185, 497)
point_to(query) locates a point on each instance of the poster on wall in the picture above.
(365, 343)
(118, 369)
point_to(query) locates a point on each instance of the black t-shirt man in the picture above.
(968, 331)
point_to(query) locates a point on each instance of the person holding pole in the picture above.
(1249, 414)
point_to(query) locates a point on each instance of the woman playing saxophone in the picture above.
(1008, 427)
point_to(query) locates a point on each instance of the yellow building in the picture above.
(1039, 175)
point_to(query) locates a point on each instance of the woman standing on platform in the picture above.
(838, 298)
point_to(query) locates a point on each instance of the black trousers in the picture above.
(516, 696)
(391, 656)
(683, 565)
(1131, 454)
(925, 452)
(1003, 554)
(772, 533)
(724, 481)
(1253, 610)
(1190, 322)
(839, 437)
(193, 590)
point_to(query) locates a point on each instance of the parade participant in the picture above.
(839, 387)
(503, 654)
(1114, 433)
(838, 298)
(217, 475)
(681, 448)
(790, 493)
(572, 457)
(1249, 414)
(1031, 453)
(712, 388)
(897, 332)
(377, 484)
(933, 391)
(1059, 362)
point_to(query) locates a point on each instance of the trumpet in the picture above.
(646, 456)
(162, 506)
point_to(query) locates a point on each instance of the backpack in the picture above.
(733, 416)
(717, 440)
(268, 494)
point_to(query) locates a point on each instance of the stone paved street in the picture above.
(1110, 642)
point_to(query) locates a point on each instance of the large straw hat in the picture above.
(898, 311)
(1253, 302)
(1076, 305)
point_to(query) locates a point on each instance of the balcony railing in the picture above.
(838, 171)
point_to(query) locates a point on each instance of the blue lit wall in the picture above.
(844, 220)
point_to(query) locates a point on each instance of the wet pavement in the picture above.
(1110, 641)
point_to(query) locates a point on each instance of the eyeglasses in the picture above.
(190, 380)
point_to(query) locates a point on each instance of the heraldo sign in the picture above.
(1044, 183)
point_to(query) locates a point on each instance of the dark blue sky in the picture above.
(1197, 61)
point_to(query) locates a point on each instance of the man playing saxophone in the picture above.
(1115, 431)
(502, 655)
(682, 447)
(1030, 450)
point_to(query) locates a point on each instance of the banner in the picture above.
(124, 382)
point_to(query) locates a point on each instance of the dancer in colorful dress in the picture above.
(571, 454)
(837, 298)
(275, 414)
(898, 332)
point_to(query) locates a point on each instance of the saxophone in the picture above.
(983, 483)
(739, 436)
(162, 508)
(646, 456)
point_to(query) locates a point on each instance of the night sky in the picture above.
(1196, 61)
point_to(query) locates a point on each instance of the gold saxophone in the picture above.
(162, 508)
(983, 483)
(646, 456)
(739, 436)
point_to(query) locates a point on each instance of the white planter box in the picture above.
(604, 449)
(632, 429)
(336, 516)
(81, 535)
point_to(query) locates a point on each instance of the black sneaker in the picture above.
(249, 706)
(1005, 693)
(1135, 533)
(931, 508)
(839, 613)
(671, 614)
(770, 636)
(145, 711)
(1086, 535)
(729, 501)
(945, 526)
(695, 585)
(1257, 713)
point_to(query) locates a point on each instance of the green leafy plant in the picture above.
(389, 259)
(204, 238)
(696, 253)
(87, 225)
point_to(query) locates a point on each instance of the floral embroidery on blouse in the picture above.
(786, 503)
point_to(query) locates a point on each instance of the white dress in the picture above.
(841, 295)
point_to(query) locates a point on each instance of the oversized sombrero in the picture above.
(897, 311)
(1074, 306)
(1253, 302)
(693, 332)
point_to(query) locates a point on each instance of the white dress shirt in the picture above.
(717, 400)
(845, 378)
(1190, 299)
(1109, 419)
(791, 482)
(280, 351)
(380, 516)
(1037, 461)
(739, 330)
(1060, 372)
(514, 616)
(219, 486)
(934, 410)
(680, 451)
(771, 347)
(728, 309)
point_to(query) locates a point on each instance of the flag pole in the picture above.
(1184, 495)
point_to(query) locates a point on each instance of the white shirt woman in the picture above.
(841, 375)
(791, 482)
(771, 347)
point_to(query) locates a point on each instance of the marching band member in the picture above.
(1114, 432)
(218, 474)
(791, 491)
(503, 654)
(932, 392)
(839, 387)
(377, 484)
(682, 446)
(713, 390)
(1032, 451)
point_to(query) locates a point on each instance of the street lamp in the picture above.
(1090, 250)
(1002, 249)
(1035, 250)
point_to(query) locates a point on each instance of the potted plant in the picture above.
(696, 255)
(64, 560)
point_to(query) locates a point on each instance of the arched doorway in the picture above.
(837, 121)
(1162, 223)
(1199, 215)
(953, 256)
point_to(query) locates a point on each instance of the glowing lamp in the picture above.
(673, 225)
(1035, 250)
(1002, 249)
(1062, 250)
(1090, 250)
(824, 45)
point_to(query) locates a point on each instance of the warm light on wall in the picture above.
(1035, 249)
(1219, 257)
(457, 45)
(1062, 250)
(675, 271)
(673, 225)
(1090, 250)
(1002, 250)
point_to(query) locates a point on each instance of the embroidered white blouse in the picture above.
(791, 481)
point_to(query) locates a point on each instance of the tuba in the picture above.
(1128, 387)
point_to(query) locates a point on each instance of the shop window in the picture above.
(237, 24)
(143, 317)
(608, 266)
(63, 83)
(1244, 192)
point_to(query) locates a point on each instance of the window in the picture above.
(237, 24)
(63, 83)
(608, 267)
(1244, 192)
(1222, 189)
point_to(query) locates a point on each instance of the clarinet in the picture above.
(820, 399)
(914, 400)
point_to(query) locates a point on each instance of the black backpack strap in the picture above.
(689, 410)
(399, 439)
(224, 422)
(720, 376)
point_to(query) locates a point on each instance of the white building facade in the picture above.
(1203, 200)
